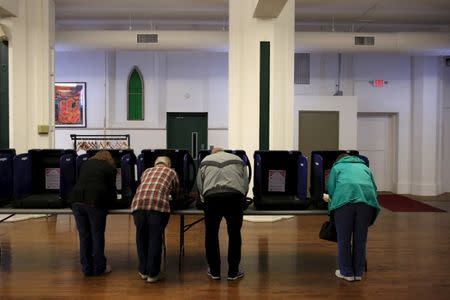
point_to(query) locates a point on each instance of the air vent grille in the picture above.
(302, 68)
(364, 40)
(147, 38)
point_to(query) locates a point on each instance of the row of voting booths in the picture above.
(44, 178)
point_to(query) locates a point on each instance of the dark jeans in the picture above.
(91, 223)
(150, 226)
(217, 206)
(352, 220)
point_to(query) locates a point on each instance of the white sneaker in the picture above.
(358, 278)
(156, 278)
(107, 269)
(339, 275)
(143, 276)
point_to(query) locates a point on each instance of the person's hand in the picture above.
(326, 197)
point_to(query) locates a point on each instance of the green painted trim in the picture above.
(264, 94)
(4, 97)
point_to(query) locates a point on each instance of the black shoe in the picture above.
(239, 275)
(213, 277)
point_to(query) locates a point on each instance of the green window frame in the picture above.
(135, 95)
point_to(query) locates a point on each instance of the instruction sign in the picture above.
(52, 176)
(119, 179)
(277, 181)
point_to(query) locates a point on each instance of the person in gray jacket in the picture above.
(222, 182)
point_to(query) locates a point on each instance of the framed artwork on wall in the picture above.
(70, 104)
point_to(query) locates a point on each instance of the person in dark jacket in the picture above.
(90, 199)
(222, 182)
(354, 206)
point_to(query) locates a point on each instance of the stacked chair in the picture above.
(321, 164)
(125, 161)
(280, 179)
(43, 178)
(6, 175)
(182, 163)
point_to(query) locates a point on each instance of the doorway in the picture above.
(187, 131)
(317, 130)
(376, 140)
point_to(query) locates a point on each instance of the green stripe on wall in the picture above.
(264, 89)
(4, 97)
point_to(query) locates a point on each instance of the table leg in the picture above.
(4, 219)
(181, 249)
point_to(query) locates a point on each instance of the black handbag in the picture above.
(328, 232)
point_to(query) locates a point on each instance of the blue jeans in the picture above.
(352, 220)
(150, 226)
(91, 223)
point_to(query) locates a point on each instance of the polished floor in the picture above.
(408, 258)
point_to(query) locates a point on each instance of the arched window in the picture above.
(135, 95)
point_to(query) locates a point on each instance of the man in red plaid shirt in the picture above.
(151, 212)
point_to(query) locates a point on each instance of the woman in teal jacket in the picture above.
(354, 207)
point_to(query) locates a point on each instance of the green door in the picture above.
(4, 110)
(187, 131)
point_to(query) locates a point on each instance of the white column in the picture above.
(445, 187)
(245, 35)
(426, 116)
(31, 68)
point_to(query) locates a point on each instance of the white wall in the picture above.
(446, 152)
(174, 81)
(86, 67)
(198, 81)
(394, 97)
(356, 72)
(324, 75)
(428, 85)
(426, 122)
(446, 130)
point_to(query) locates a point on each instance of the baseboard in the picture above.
(424, 189)
(402, 188)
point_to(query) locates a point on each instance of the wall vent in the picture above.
(147, 38)
(364, 40)
(302, 68)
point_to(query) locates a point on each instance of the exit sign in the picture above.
(378, 83)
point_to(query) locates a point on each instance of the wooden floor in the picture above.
(408, 258)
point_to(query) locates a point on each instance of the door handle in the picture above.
(194, 144)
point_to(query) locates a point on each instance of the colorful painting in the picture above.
(70, 104)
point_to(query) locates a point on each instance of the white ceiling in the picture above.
(311, 15)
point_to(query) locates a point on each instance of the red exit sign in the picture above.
(378, 83)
